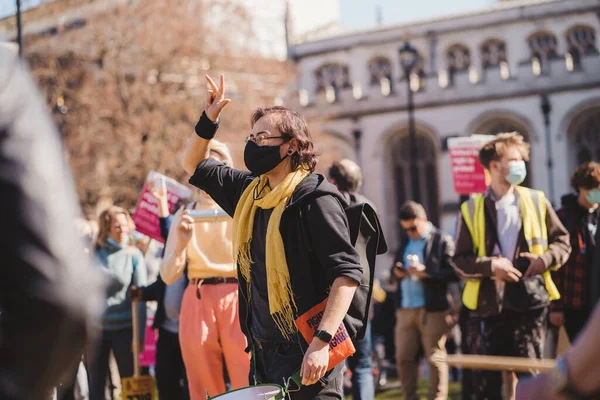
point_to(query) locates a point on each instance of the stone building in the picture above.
(527, 65)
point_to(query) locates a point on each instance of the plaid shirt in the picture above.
(571, 279)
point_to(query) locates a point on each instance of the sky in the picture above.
(8, 7)
(361, 14)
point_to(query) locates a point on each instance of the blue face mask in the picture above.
(594, 196)
(113, 242)
(517, 171)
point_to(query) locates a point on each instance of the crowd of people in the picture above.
(300, 250)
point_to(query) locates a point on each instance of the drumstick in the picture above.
(496, 363)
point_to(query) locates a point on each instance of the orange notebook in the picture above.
(341, 346)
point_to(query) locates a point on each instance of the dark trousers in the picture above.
(467, 380)
(170, 369)
(276, 362)
(575, 320)
(120, 342)
(512, 334)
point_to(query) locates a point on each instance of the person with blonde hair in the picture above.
(124, 266)
(209, 325)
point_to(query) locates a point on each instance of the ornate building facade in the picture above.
(530, 66)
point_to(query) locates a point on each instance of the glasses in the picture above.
(262, 138)
(411, 229)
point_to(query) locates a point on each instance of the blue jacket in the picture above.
(124, 266)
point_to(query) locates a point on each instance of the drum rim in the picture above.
(281, 390)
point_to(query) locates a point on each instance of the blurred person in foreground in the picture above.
(49, 293)
(575, 376)
(346, 175)
(124, 266)
(508, 241)
(209, 327)
(423, 269)
(580, 214)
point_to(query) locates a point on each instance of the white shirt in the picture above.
(507, 210)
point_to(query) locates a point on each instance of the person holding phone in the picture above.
(508, 241)
(423, 270)
(209, 325)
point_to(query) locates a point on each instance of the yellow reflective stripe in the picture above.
(553, 292)
(467, 213)
(480, 225)
(474, 217)
(533, 203)
(470, 295)
(542, 208)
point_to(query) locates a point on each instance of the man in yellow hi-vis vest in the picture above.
(508, 241)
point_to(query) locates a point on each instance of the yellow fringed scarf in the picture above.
(281, 301)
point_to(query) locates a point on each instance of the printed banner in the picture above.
(148, 356)
(468, 174)
(341, 346)
(146, 210)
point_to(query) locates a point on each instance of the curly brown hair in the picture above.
(293, 126)
(586, 176)
(494, 150)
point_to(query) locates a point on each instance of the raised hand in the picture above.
(185, 230)
(215, 100)
(159, 193)
(161, 196)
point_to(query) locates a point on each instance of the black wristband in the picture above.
(205, 128)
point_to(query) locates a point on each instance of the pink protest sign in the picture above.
(467, 172)
(148, 356)
(146, 210)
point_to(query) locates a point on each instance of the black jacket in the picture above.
(439, 251)
(49, 291)
(316, 209)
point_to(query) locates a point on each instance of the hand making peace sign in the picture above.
(215, 100)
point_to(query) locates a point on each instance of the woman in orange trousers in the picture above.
(209, 327)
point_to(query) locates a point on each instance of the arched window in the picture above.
(380, 71)
(585, 131)
(581, 41)
(459, 60)
(427, 170)
(493, 53)
(332, 75)
(380, 68)
(543, 47)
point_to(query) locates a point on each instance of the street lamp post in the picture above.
(19, 29)
(357, 145)
(408, 59)
(546, 109)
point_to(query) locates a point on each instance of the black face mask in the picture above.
(261, 159)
